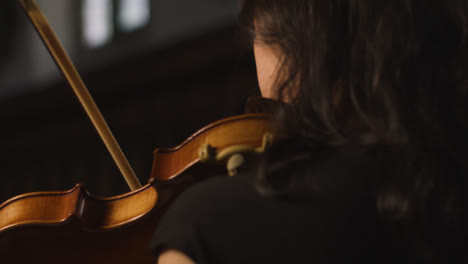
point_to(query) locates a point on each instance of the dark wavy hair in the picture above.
(389, 76)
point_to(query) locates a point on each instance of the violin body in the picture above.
(75, 227)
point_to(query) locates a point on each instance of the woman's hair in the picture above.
(390, 76)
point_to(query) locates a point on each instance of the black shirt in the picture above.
(226, 220)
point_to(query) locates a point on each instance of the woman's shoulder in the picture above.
(233, 212)
(215, 195)
(302, 177)
(202, 215)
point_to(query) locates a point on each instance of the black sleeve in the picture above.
(180, 226)
(179, 234)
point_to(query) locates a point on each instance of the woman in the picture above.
(375, 167)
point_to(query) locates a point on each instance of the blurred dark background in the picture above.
(158, 69)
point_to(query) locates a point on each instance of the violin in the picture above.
(73, 226)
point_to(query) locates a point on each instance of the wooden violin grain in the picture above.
(75, 227)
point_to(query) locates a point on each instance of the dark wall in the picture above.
(8, 25)
(154, 100)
